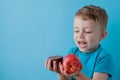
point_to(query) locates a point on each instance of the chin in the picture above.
(83, 50)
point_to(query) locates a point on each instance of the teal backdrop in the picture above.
(32, 30)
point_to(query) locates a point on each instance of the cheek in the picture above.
(74, 36)
(75, 39)
(93, 39)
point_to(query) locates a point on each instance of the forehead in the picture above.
(81, 23)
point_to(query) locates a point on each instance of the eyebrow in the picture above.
(78, 27)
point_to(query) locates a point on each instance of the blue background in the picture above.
(32, 30)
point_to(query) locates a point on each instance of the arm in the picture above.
(100, 76)
(62, 77)
(80, 76)
(96, 76)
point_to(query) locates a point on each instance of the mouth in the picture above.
(82, 44)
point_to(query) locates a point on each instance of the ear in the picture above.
(103, 34)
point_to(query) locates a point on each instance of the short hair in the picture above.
(95, 13)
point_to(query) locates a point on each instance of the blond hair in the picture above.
(95, 13)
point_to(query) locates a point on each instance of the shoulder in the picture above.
(102, 53)
(73, 50)
(104, 56)
(104, 59)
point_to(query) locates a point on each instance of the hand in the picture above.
(65, 73)
(54, 68)
(61, 76)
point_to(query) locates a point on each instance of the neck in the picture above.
(92, 49)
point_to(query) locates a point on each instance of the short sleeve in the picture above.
(73, 50)
(105, 64)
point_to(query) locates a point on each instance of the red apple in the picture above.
(71, 63)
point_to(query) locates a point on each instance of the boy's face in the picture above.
(87, 34)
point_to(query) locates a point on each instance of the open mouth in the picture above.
(82, 44)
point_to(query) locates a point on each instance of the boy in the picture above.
(89, 29)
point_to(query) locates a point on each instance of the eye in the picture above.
(88, 31)
(76, 31)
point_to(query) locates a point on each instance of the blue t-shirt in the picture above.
(97, 61)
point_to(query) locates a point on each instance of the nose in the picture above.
(81, 35)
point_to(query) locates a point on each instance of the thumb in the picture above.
(61, 68)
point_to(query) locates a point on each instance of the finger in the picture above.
(59, 65)
(49, 65)
(76, 73)
(61, 68)
(72, 74)
(46, 62)
(63, 71)
(55, 66)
